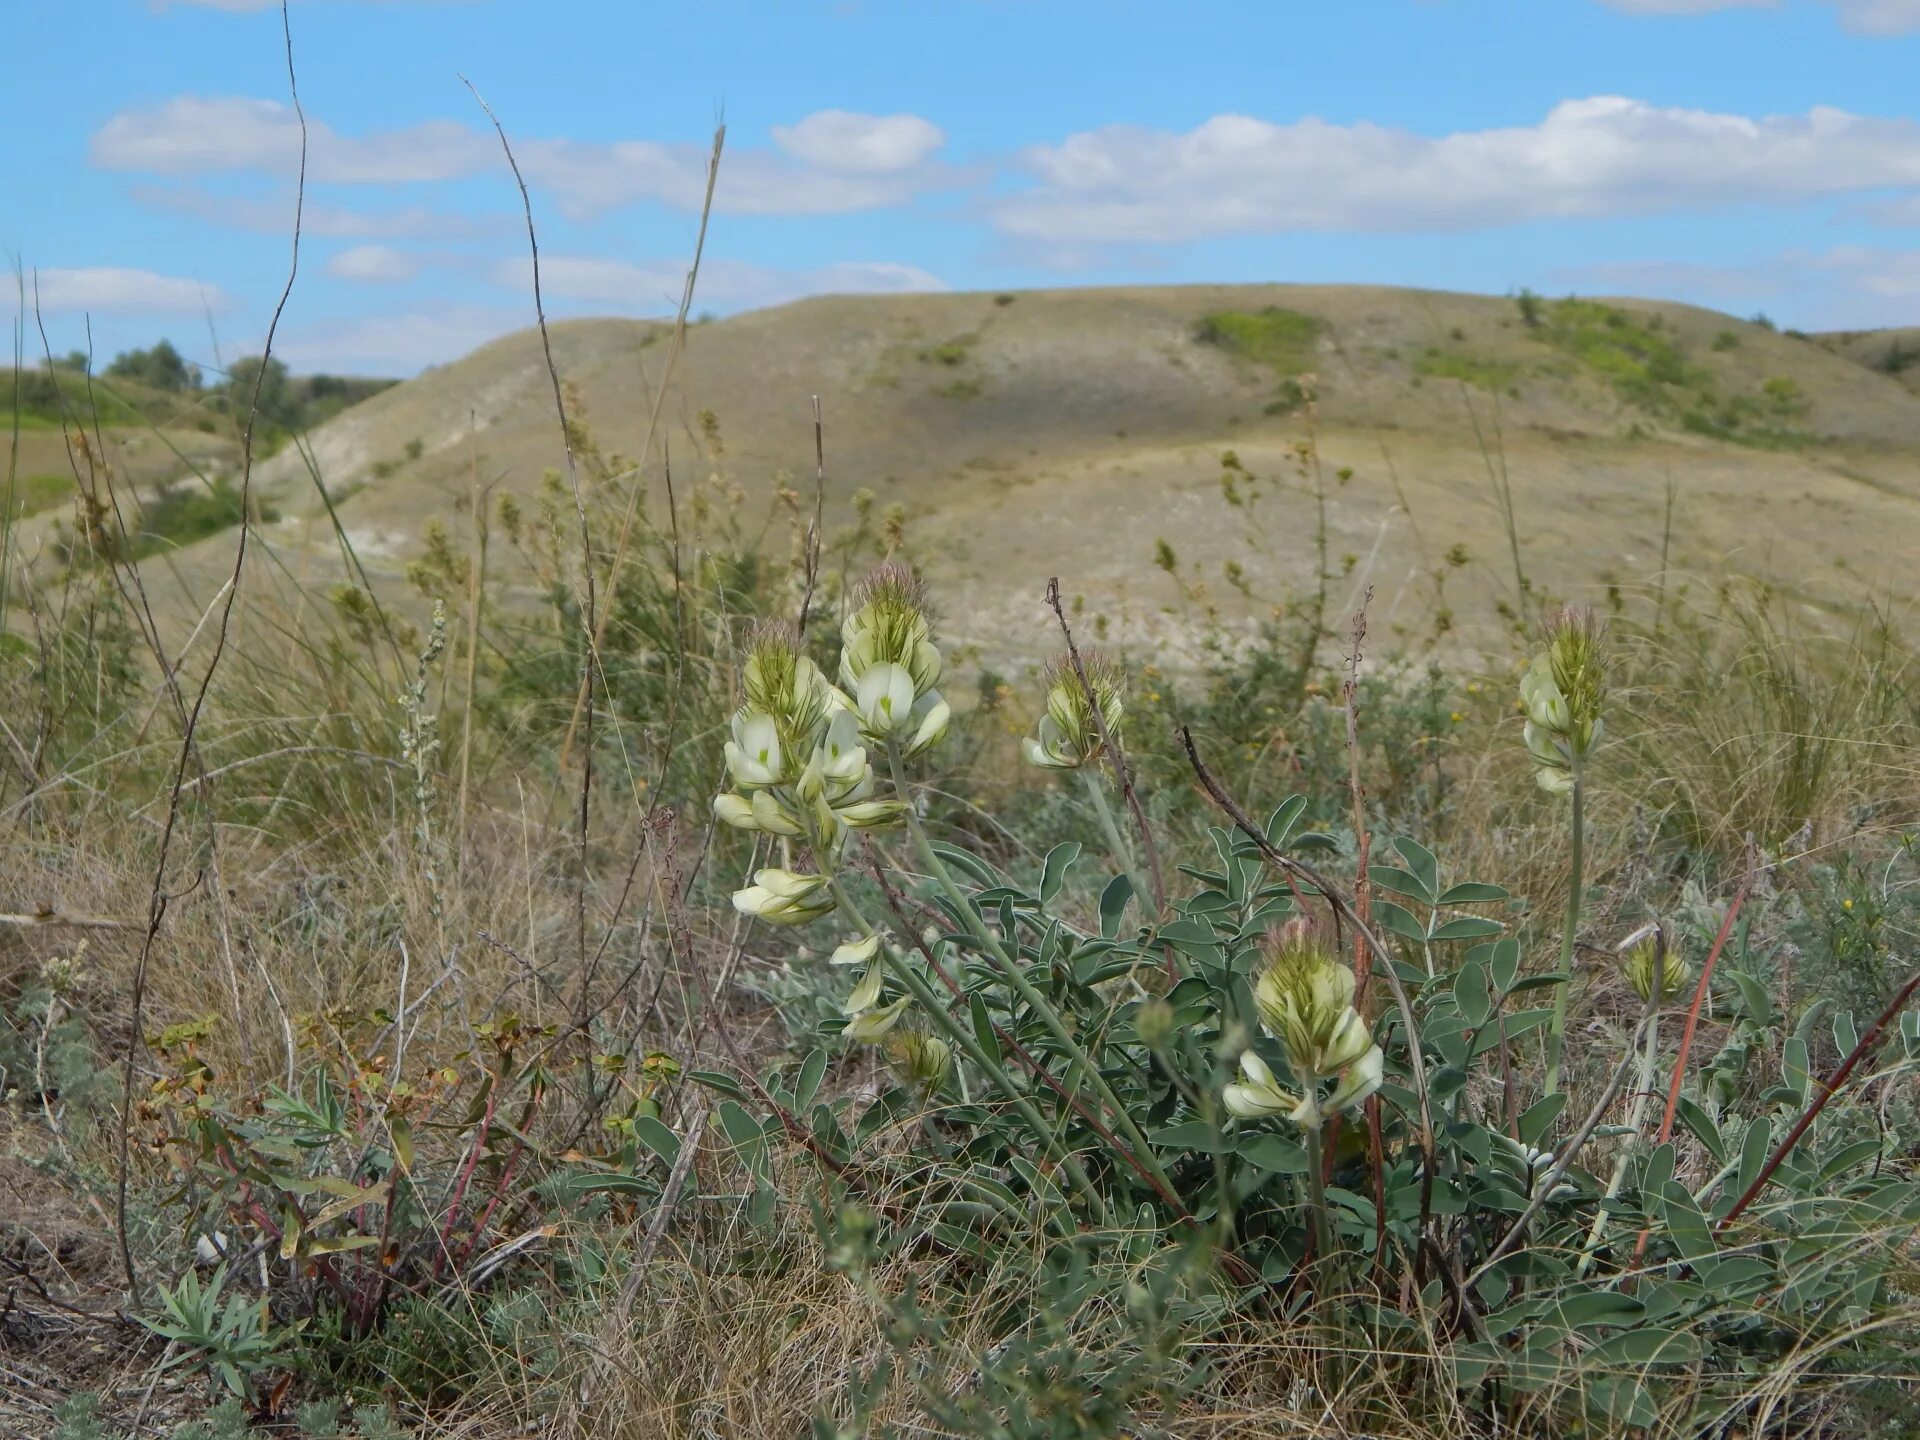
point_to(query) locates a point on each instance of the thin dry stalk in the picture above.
(590, 629)
(674, 345)
(159, 898)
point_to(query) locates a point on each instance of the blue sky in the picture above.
(1744, 154)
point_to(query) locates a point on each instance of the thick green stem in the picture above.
(960, 1035)
(1317, 1194)
(1556, 1032)
(1035, 1001)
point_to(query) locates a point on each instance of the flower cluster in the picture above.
(1305, 1000)
(799, 772)
(889, 665)
(1562, 692)
(799, 767)
(1070, 735)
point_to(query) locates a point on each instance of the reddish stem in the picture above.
(1686, 1034)
(1828, 1090)
(1699, 999)
(466, 1174)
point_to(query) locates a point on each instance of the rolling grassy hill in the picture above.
(1072, 432)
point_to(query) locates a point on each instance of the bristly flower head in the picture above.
(889, 623)
(795, 755)
(780, 681)
(1643, 961)
(1069, 736)
(888, 663)
(1563, 691)
(1305, 1000)
(922, 1059)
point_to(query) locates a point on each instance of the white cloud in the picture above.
(232, 7)
(375, 264)
(113, 288)
(1901, 213)
(831, 162)
(654, 288)
(1863, 17)
(1685, 7)
(1880, 17)
(396, 342)
(1604, 156)
(590, 179)
(198, 135)
(860, 144)
(1846, 287)
(274, 216)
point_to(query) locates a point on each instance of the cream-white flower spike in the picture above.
(1563, 691)
(872, 1025)
(781, 897)
(888, 624)
(856, 952)
(884, 700)
(754, 755)
(1258, 1096)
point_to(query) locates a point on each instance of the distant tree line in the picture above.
(285, 403)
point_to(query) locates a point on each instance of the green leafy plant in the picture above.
(1358, 1144)
(233, 1340)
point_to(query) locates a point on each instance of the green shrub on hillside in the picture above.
(1274, 336)
(1482, 371)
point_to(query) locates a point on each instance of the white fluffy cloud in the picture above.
(860, 144)
(1598, 157)
(1856, 286)
(232, 7)
(102, 288)
(274, 216)
(654, 288)
(201, 135)
(1863, 17)
(1684, 7)
(396, 342)
(1880, 17)
(375, 264)
(829, 163)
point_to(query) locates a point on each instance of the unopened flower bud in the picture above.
(1153, 1023)
(1650, 962)
(1070, 733)
(923, 1059)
